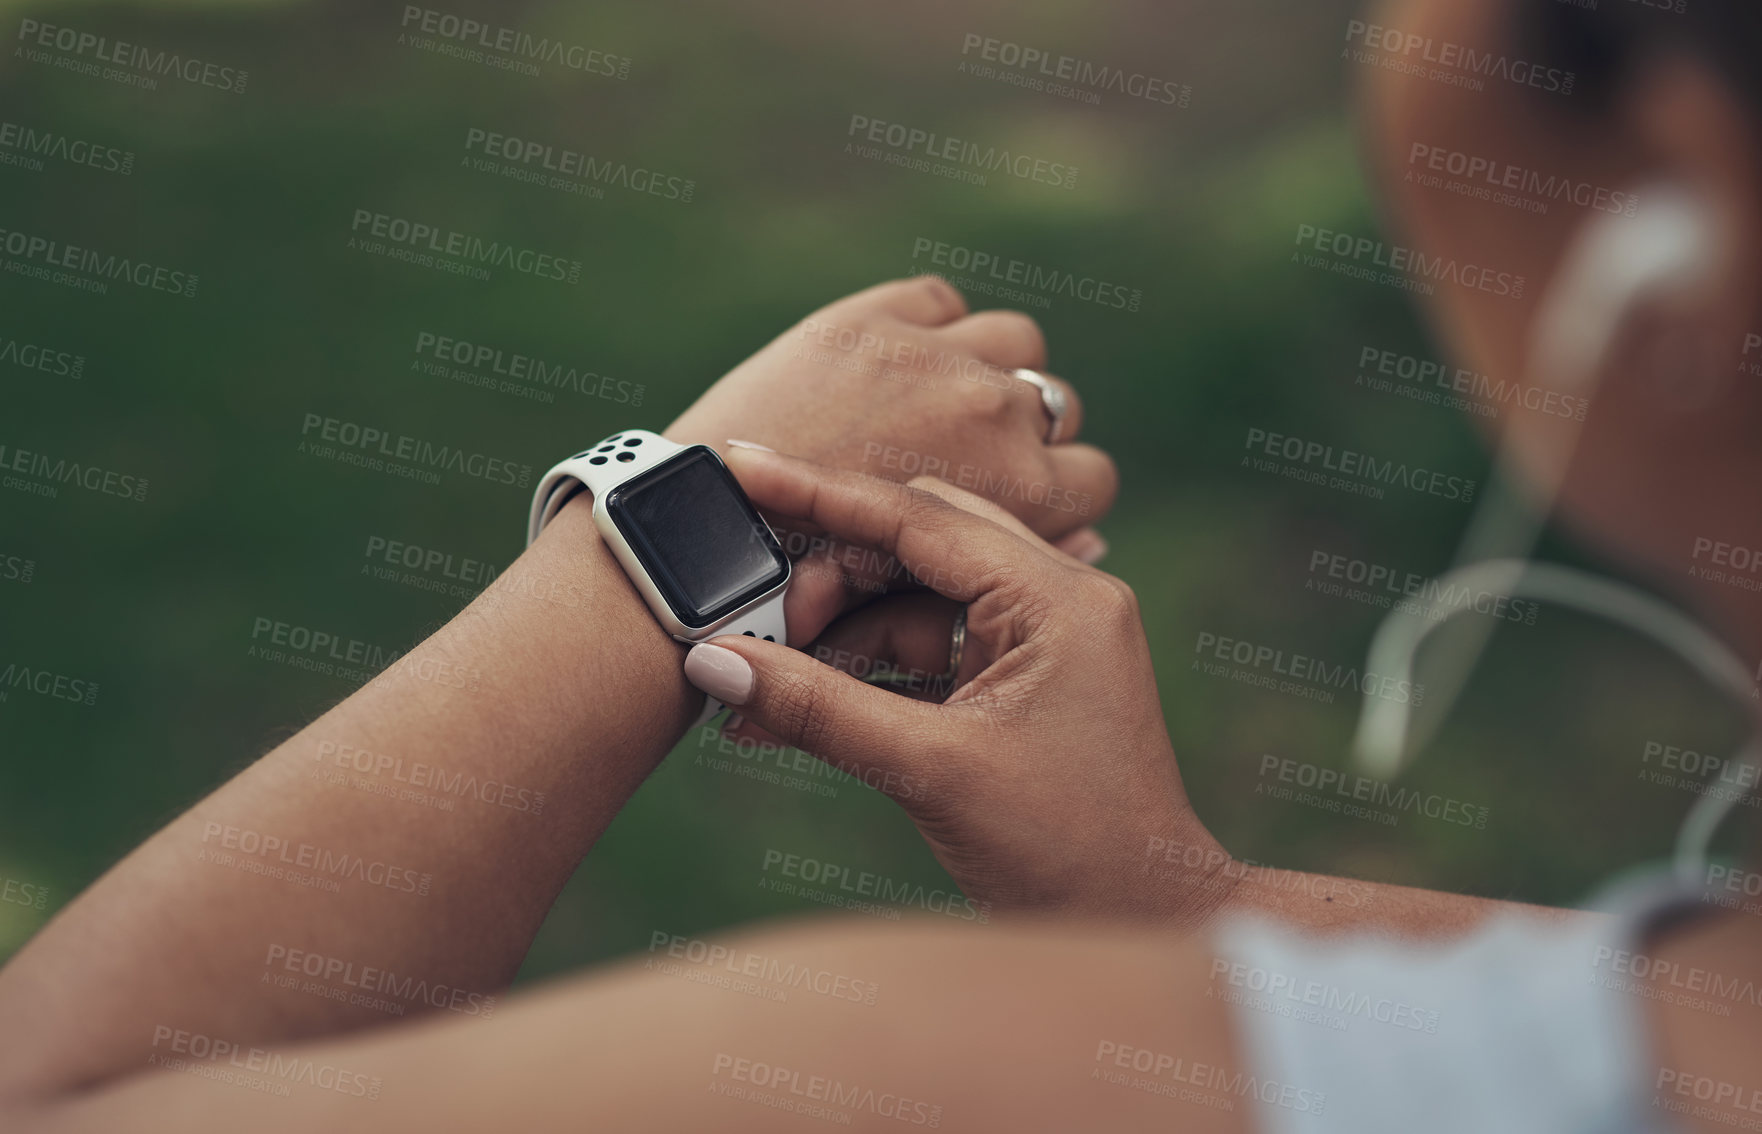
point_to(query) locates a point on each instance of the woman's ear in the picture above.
(1653, 307)
(1664, 258)
(1699, 137)
(1649, 318)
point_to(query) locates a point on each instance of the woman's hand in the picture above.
(1040, 782)
(899, 380)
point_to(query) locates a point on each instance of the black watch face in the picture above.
(706, 548)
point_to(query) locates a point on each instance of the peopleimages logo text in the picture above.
(1188, 1080)
(50, 253)
(511, 41)
(1080, 72)
(35, 143)
(374, 979)
(1390, 587)
(1301, 667)
(47, 683)
(820, 1096)
(528, 370)
(1363, 250)
(1377, 793)
(60, 470)
(402, 447)
(103, 49)
(1350, 462)
(840, 880)
(1048, 281)
(576, 164)
(221, 1060)
(1273, 990)
(35, 356)
(438, 241)
(1485, 176)
(1417, 51)
(955, 151)
(1458, 387)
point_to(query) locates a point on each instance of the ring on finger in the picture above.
(1052, 397)
(917, 682)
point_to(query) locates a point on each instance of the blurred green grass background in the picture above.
(1197, 208)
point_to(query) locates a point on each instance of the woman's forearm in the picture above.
(1189, 880)
(1318, 903)
(878, 1027)
(395, 857)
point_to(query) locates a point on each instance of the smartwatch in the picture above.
(697, 550)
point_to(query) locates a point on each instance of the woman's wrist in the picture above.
(575, 628)
(1191, 879)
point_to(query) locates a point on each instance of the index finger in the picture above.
(948, 549)
(996, 513)
(926, 301)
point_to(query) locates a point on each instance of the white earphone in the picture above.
(1669, 249)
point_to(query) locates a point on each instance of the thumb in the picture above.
(859, 729)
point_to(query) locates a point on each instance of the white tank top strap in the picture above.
(1521, 1028)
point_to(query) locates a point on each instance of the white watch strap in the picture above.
(601, 467)
(763, 621)
(610, 463)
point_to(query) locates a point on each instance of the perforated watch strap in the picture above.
(604, 466)
(600, 467)
(760, 622)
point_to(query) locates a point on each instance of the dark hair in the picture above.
(1604, 41)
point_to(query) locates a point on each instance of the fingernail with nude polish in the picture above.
(750, 445)
(721, 673)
